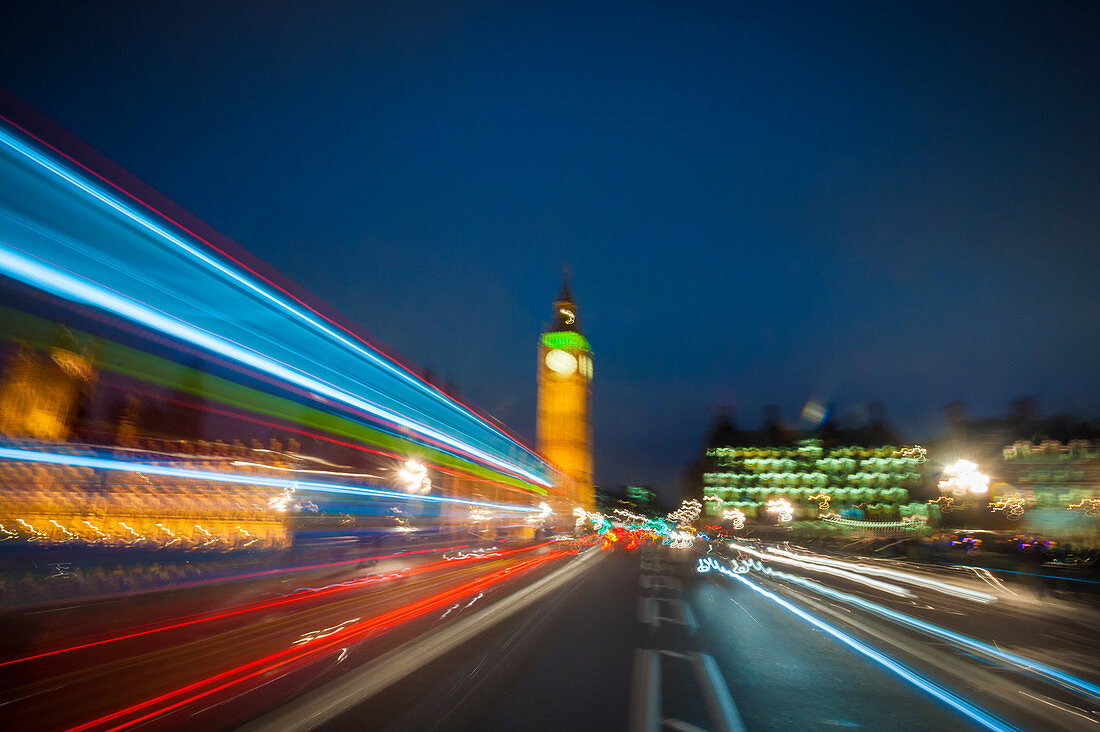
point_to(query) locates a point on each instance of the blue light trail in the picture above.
(974, 712)
(84, 461)
(1035, 667)
(142, 221)
(69, 236)
(70, 287)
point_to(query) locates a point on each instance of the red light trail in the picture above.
(253, 607)
(344, 636)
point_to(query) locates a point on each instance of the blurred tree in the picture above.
(641, 498)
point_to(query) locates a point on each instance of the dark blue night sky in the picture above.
(850, 203)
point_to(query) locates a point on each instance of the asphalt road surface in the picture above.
(644, 640)
(552, 637)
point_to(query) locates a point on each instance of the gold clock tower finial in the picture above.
(564, 428)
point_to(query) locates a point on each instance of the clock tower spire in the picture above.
(564, 427)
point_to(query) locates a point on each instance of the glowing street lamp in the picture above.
(543, 514)
(415, 477)
(962, 478)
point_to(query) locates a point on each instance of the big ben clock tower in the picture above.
(564, 427)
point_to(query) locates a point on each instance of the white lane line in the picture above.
(681, 726)
(659, 583)
(646, 701)
(645, 693)
(723, 712)
(674, 654)
(688, 616)
(679, 613)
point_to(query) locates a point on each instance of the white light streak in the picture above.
(907, 577)
(824, 569)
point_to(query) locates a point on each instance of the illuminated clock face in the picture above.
(560, 362)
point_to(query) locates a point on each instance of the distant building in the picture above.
(641, 498)
(843, 484)
(46, 503)
(1058, 486)
(982, 440)
(1044, 471)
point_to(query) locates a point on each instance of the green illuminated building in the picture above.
(849, 482)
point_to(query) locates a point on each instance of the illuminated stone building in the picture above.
(41, 391)
(564, 422)
(77, 505)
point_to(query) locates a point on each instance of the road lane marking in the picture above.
(650, 613)
(681, 726)
(674, 654)
(646, 700)
(645, 695)
(659, 583)
(717, 695)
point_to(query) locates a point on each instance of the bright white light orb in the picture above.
(415, 477)
(962, 477)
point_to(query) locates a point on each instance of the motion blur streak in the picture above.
(152, 227)
(160, 214)
(974, 712)
(884, 586)
(108, 464)
(197, 464)
(85, 291)
(88, 269)
(1059, 577)
(340, 638)
(914, 579)
(237, 415)
(310, 594)
(1089, 689)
